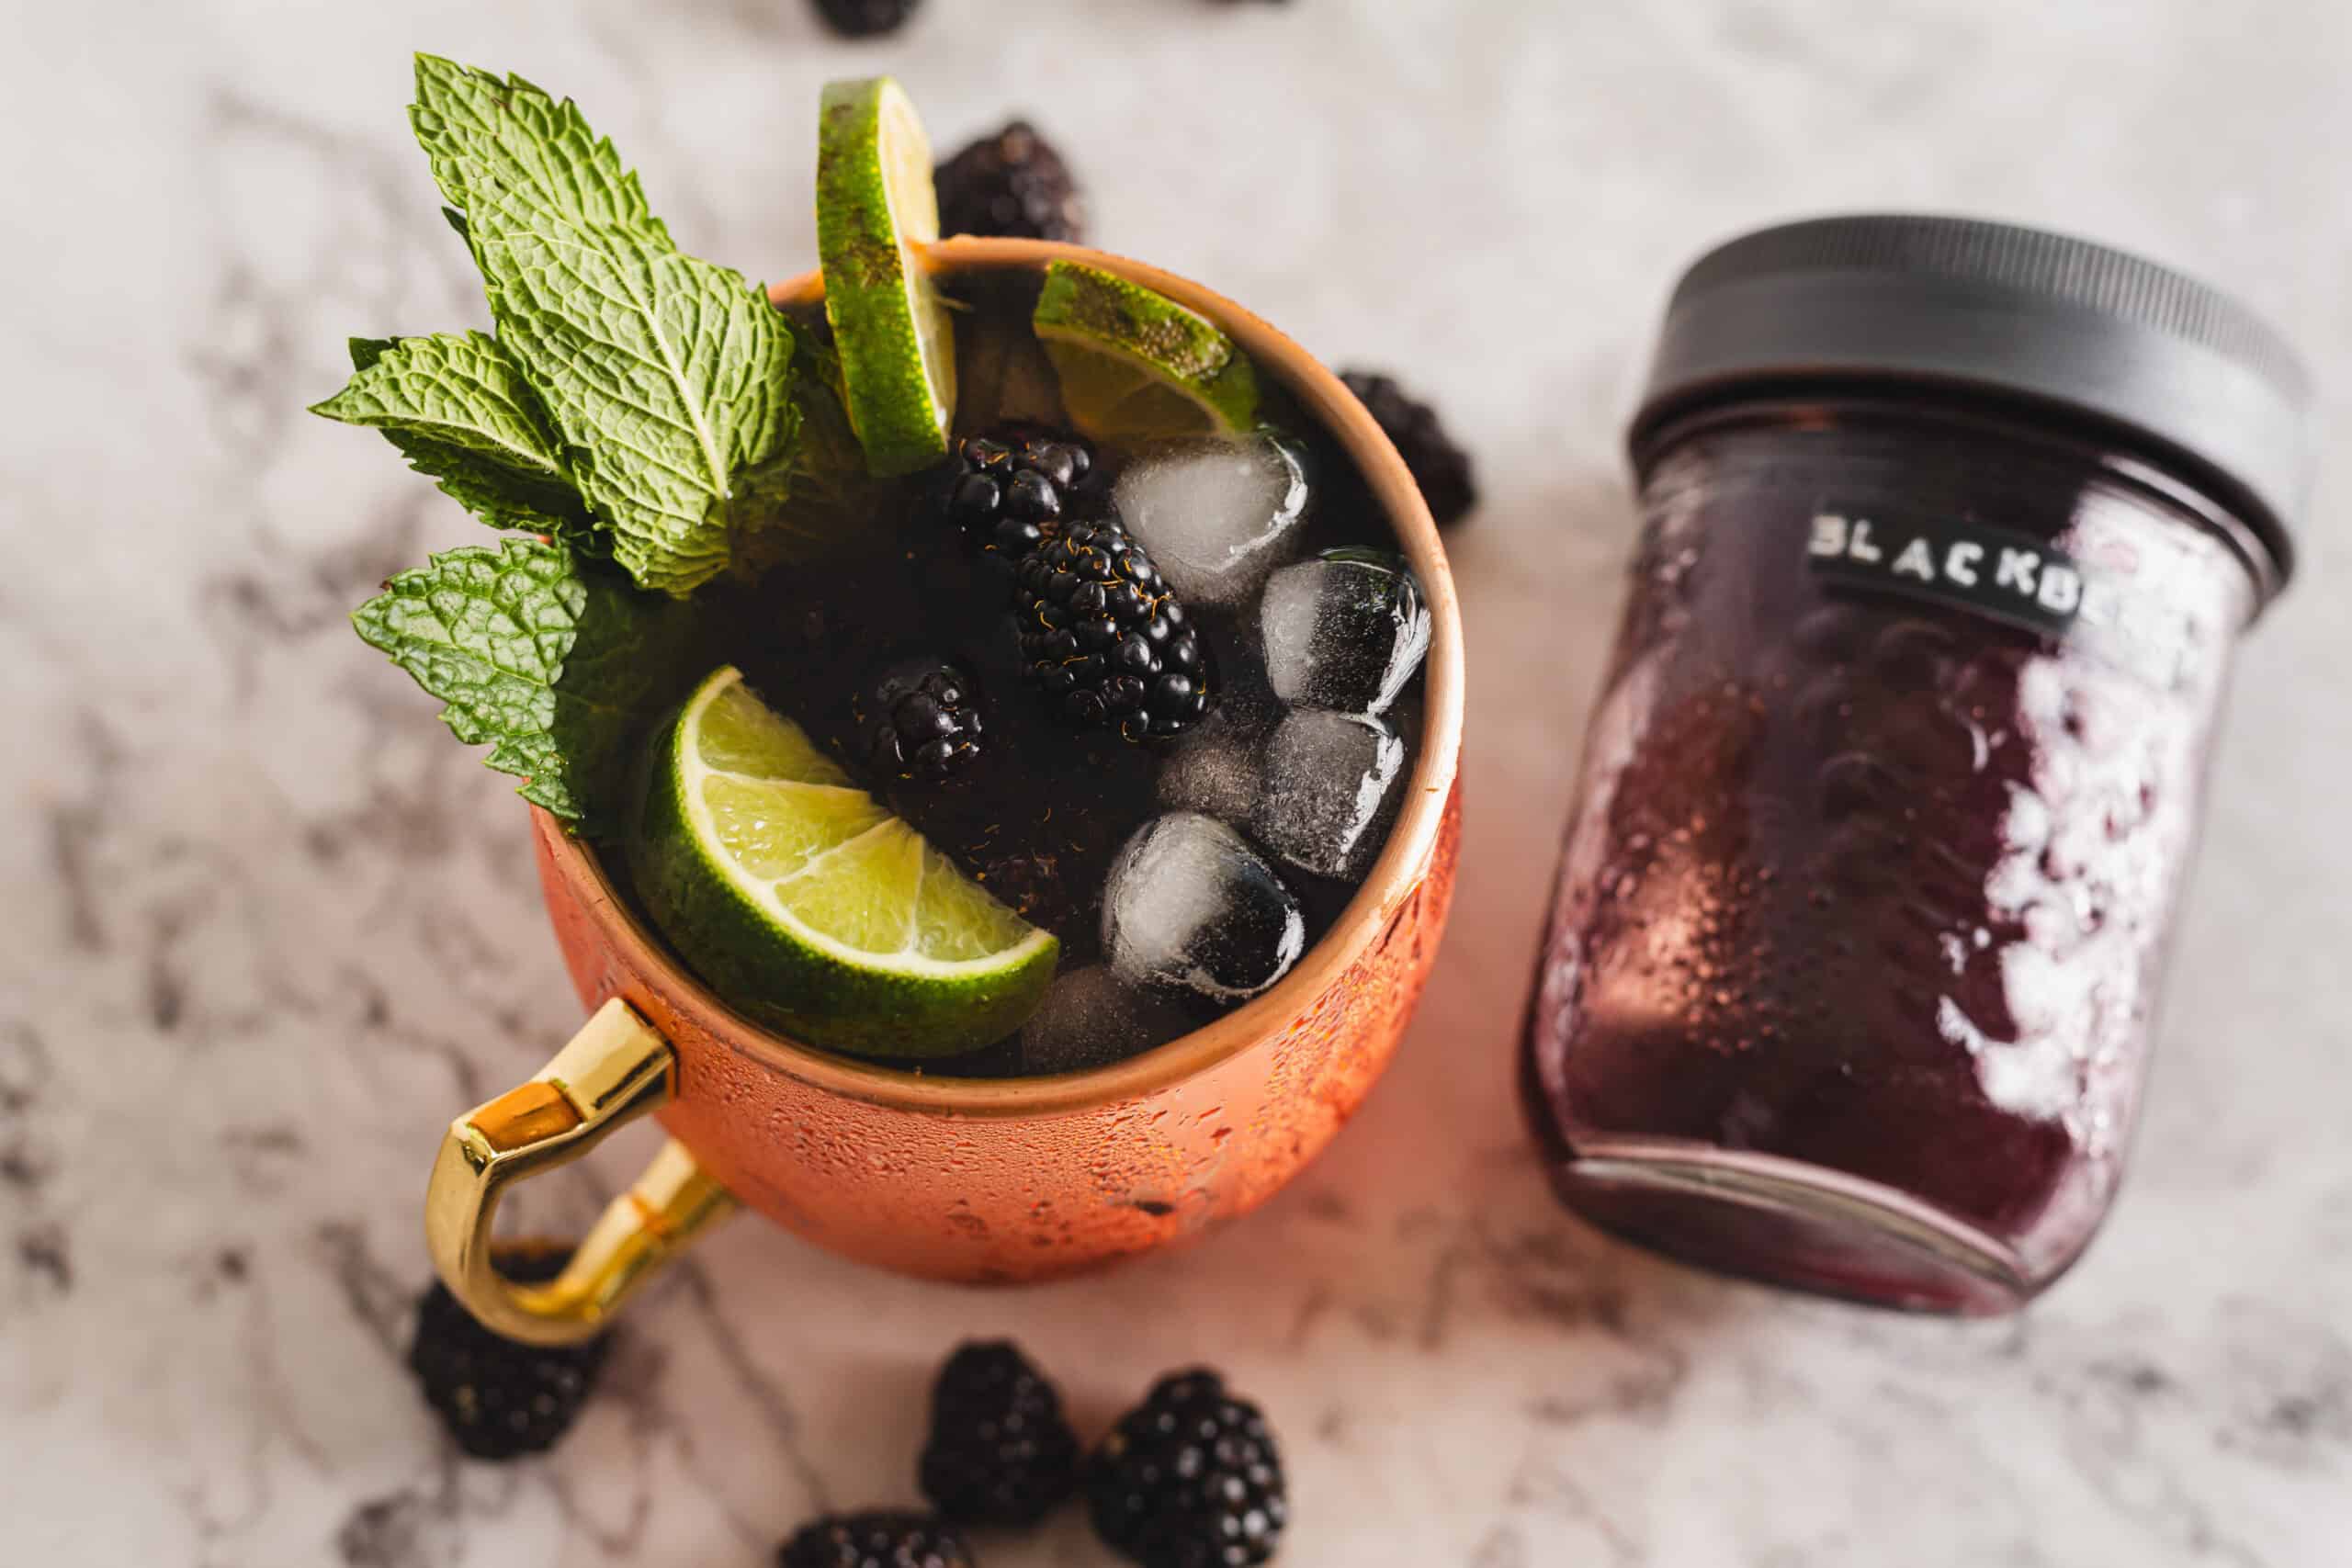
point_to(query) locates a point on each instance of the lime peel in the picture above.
(1136, 365)
(891, 329)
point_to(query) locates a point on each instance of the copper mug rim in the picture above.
(1394, 876)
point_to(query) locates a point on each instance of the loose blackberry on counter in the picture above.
(1001, 1451)
(1013, 184)
(1005, 487)
(1105, 638)
(1439, 466)
(1190, 1479)
(867, 19)
(925, 718)
(881, 1537)
(498, 1398)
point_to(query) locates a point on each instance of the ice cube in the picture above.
(1329, 785)
(1191, 906)
(1216, 516)
(1344, 631)
(1090, 1018)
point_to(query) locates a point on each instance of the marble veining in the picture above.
(267, 928)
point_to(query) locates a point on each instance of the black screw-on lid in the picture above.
(1996, 308)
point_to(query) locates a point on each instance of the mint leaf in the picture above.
(476, 126)
(666, 379)
(553, 662)
(459, 410)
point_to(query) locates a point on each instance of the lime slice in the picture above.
(808, 906)
(1136, 366)
(875, 203)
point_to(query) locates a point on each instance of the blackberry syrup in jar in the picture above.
(1949, 530)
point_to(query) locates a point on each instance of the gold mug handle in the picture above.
(615, 1070)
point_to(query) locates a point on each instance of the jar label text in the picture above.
(2006, 576)
(2011, 577)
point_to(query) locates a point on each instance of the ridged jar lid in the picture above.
(1992, 308)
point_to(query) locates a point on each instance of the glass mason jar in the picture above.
(1947, 532)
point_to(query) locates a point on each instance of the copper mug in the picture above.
(972, 1179)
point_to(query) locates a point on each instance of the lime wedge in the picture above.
(1136, 366)
(875, 203)
(808, 906)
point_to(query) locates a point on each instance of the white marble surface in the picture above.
(267, 928)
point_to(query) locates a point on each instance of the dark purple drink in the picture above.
(1036, 809)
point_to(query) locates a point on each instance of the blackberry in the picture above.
(1006, 488)
(498, 1398)
(1001, 1451)
(880, 1537)
(1011, 184)
(1190, 1479)
(1440, 468)
(1104, 639)
(926, 722)
(867, 19)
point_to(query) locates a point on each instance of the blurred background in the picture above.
(266, 930)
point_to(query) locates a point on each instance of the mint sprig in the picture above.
(553, 662)
(634, 406)
(459, 410)
(666, 379)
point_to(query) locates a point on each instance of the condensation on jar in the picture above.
(1949, 531)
